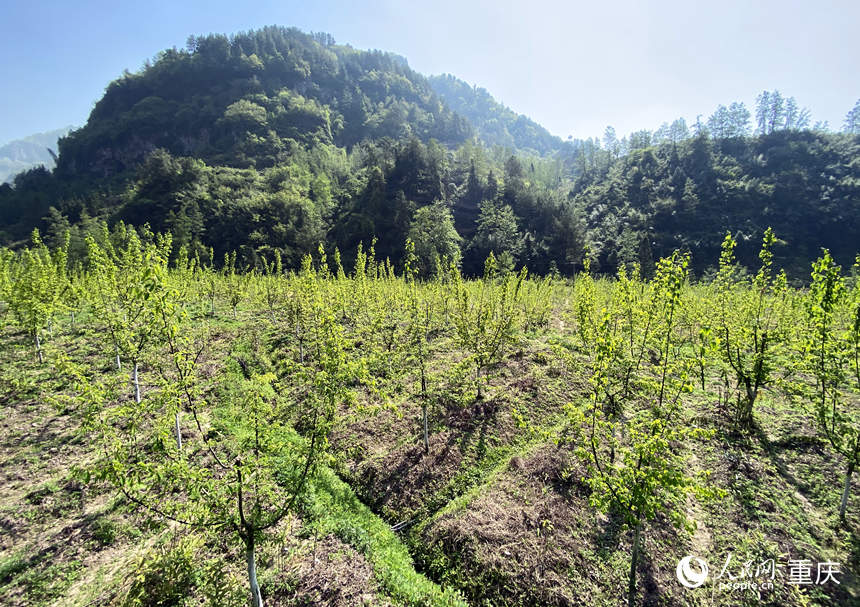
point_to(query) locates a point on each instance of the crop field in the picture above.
(180, 433)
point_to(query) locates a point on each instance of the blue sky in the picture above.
(573, 66)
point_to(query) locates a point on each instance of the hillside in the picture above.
(290, 324)
(274, 141)
(495, 124)
(687, 195)
(249, 100)
(176, 434)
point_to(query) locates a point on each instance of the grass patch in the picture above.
(335, 509)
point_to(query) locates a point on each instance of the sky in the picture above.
(574, 67)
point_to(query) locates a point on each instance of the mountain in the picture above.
(22, 154)
(273, 141)
(688, 194)
(250, 99)
(494, 123)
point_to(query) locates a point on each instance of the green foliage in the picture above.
(126, 278)
(634, 469)
(232, 431)
(11, 566)
(749, 324)
(435, 239)
(829, 351)
(496, 124)
(486, 316)
(164, 576)
(247, 466)
(688, 194)
(35, 288)
(497, 232)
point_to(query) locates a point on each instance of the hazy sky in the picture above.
(574, 67)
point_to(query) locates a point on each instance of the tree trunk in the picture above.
(634, 562)
(134, 379)
(424, 411)
(256, 597)
(478, 381)
(178, 433)
(844, 504)
(39, 348)
(118, 361)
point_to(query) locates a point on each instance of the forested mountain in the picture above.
(252, 99)
(803, 184)
(276, 140)
(495, 123)
(22, 154)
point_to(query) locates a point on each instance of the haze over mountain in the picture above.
(22, 154)
(495, 123)
(277, 140)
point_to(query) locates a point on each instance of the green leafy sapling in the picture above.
(487, 315)
(246, 468)
(236, 282)
(748, 321)
(420, 325)
(36, 285)
(634, 466)
(828, 352)
(584, 302)
(127, 279)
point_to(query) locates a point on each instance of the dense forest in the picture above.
(277, 140)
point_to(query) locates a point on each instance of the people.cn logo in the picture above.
(688, 576)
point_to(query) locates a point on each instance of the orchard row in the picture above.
(238, 453)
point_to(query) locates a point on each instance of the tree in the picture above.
(748, 323)
(770, 112)
(828, 351)
(37, 283)
(497, 232)
(732, 121)
(568, 237)
(435, 238)
(246, 466)
(852, 120)
(7, 259)
(775, 113)
(486, 313)
(633, 463)
(640, 140)
(678, 131)
(795, 117)
(126, 279)
(739, 118)
(610, 142)
(418, 335)
(718, 123)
